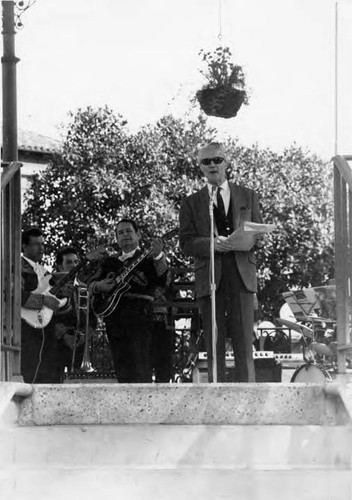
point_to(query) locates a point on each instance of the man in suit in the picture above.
(129, 326)
(235, 271)
(67, 317)
(39, 362)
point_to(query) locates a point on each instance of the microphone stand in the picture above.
(214, 331)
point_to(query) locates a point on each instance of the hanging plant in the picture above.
(225, 90)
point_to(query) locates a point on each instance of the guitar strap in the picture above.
(138, 276)
(129, 255)
(38, 269)
(30, 282)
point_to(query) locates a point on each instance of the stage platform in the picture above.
(188, 404)
(166, 442)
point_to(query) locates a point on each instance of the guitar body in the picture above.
(40, 319)
(103, 306)
(105, 303)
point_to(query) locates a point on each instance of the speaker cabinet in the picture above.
(266, 370)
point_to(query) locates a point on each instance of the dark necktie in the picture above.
(220, 202)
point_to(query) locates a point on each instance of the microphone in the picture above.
(213, 193)
(211, 201)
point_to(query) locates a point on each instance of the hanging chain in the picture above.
(220, 21)
(21, 7)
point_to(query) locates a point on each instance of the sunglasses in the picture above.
(217, 160)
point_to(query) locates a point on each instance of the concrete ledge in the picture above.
(161, 447)
(10, 405)
(342, 389)
(197, 483)
(190, 404)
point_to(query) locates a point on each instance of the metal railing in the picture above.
(10, 250)
(343, 256)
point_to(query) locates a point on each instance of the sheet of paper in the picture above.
(319, 301)
(258, 228)
(243, 239)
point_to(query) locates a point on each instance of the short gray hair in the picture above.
(212, 145)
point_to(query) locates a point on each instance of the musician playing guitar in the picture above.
(128, 326)
(66, 320)
(43, 294)
(39, 362)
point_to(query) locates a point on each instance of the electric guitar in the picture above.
(105, 303)
(41, 318)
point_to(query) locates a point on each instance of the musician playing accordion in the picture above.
(127, 310)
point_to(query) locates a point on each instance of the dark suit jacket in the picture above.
(195, 239)
(29, 281)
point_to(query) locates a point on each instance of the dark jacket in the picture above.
(195, 235)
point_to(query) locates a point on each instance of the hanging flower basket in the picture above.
(222, 101)
(225, 91)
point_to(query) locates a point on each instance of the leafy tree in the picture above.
(295, 189)
(106, 172)
(81, 191)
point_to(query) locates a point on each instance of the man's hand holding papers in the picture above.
(244, 238)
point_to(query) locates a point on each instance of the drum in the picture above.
(311, 374)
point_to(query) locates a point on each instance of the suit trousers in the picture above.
(130, 345)
(129, 333)
(235, 320)
(39, 355)
(161, 351)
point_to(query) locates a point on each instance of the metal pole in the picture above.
(9, 84)
(336, 76)
(11, 201)
(214, 331)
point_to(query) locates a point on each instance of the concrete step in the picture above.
(156, 462)
(178, 446)
(163, 462)
(220, 441)
(202, 484)
(192, 404)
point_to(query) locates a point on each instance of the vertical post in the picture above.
(2, 353)
(11, 201)
(214, 330)
(341, 266)
(336, 75)
(17, 285)
(349, 249)
(9, 84)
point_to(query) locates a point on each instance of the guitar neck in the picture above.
(134, 264)
(69, 276)
(143, 255)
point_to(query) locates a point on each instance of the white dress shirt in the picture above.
(225, 193)
(40, 270)
(127, 255)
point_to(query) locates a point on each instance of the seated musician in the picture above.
(129, 324)
(39, 363)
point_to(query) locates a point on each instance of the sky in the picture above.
(140, 58)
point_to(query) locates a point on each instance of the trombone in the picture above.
(83, 298)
